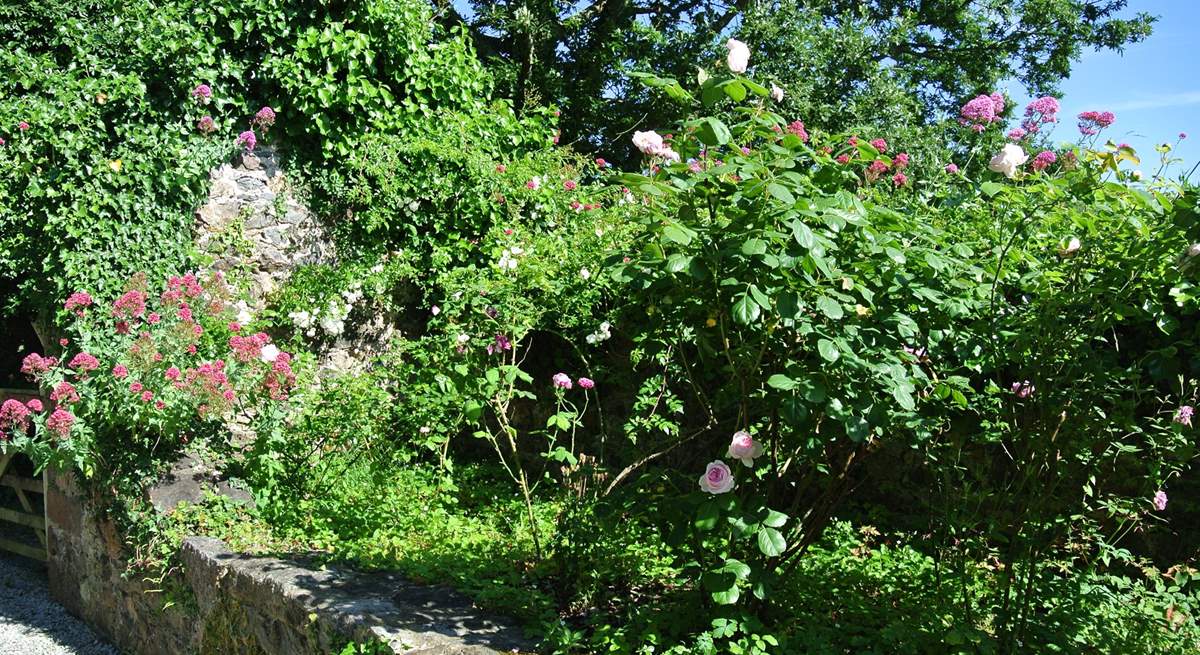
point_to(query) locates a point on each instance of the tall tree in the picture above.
(839, 58)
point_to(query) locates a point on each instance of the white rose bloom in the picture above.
(1194, 250)
(463, 338)
(739, 56)
(1008, 160)
(669, 155)
(332, 326)
(1072, 246)
(243, 315)
(269, 353)
(516, 250)
(776, 93)
(435, 310)
(585, 274)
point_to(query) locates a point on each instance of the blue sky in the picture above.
(1153, 87)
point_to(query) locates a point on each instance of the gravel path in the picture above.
(33, 624)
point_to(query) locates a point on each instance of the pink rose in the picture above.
(744, 447)
(586, 383)
(1160, 500)
(717, 478)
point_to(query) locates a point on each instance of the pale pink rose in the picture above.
(1160, 500)
(649, 143)
(744, 448)
(717, 478)
(739, 56)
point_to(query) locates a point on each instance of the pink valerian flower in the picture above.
(147, 396)
(797, 127)
(172, 373)
(501, 168)
(34, 405)
(743, 447)
(569, 185)
(159, 405)
(899, 179)
(878, 166)
(534, 184)
(952, 168)
(153, 318)
(745, 150)
(136, 387)
(1183, 416)
(264, 118)
(561, 381)
(207, 125)
(717, 478)
(13, 414)
(60, 422)
(1017, 133)
(131, 304)
(1160, 500)
(77, 302)
(202, 93)
(64, 393)
(247, 140)
(695, 166)
(852, 141)
(278, 381)
(248, 348)
(1023, 389)
(879, 144)
(1091, 122)
(843, 159)
(120, 371)
(23, 126)
(63, 342)
(586, 383)
(84, 362)
(122, 327)
(900, 161)
(981, 111)
(1043, 160)
(601, 163)
(34, 365)
(1039, 112)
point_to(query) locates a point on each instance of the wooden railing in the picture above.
(28, 515)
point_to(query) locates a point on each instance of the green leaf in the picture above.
(782, 382)
(775, 519)
(830, 307)
(745, 310)
(754, 246)
(679, 234)
(782, 194)
(735, 90)
(713, 132)
(678, 262)
(829, 352)
(990, 189)
(771, 542)
(802, 233)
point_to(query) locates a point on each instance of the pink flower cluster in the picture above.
(14, 416)
(60, 422)
(77, 302)
(131, 304)
(1043, 160)
(280, 379)
(797, 127)
(207, 125)
(1091, 122)
(202, 93)
(84, 362)
(248, 348)
(34, 365)
(265, 118)
(247, 140)
(64, 393)
(1183, 416)
(1040, 112)
(981, 111)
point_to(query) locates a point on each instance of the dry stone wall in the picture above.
(225, 603)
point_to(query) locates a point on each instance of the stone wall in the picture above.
(225, 603)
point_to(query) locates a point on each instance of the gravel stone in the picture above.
(33, 624)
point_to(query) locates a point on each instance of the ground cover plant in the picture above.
(790, 377)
